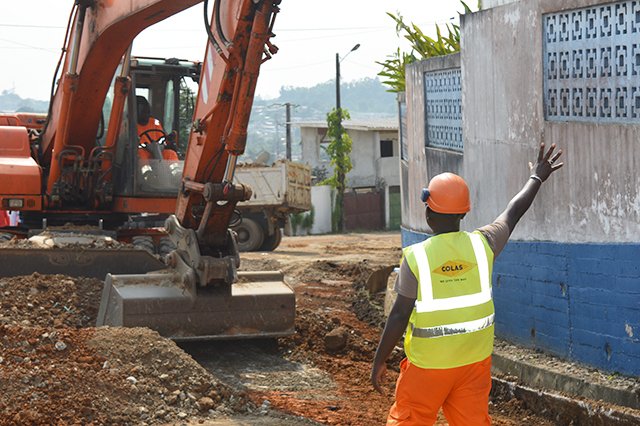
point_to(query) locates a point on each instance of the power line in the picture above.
(296, 66)
(24, 45)
(277, 29)
(32, 26)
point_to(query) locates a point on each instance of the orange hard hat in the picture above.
(447, 193)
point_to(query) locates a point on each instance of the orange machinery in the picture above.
(80, 166)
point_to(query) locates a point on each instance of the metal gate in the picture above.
(364, 211)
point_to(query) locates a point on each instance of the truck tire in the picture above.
(250, 235)
(271, 242)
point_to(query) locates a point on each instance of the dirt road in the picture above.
(307, 374)
(56, 369)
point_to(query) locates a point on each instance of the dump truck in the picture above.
(125, 137)
(279, 190)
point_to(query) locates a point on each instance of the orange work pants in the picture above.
(462, 392)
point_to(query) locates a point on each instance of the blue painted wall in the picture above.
(577, 301)
(409, 237)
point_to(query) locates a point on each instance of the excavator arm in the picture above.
(202, 295)
(228, 80)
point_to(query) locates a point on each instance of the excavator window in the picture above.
(168, 89)
(169, 106)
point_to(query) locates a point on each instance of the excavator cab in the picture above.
(155, 128)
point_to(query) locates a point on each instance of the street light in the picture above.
(338, 60)
(340, 175)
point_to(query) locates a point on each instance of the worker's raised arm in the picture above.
(541, 171)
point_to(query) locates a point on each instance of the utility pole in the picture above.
(288, 126)
(289, 136)
(338, 107)
(277, 125)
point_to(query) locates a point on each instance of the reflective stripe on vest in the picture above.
(453, 329)
(429, 304)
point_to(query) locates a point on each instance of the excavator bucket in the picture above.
(140, 291)
(260, 304)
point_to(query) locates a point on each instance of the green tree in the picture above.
(187, 105)
(339, 151)
(422, 47)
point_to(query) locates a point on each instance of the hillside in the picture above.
(11, 102)
(364, 99)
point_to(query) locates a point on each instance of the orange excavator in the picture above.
(76, 174)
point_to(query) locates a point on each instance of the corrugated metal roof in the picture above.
(374, 124)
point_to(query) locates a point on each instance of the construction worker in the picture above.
(445, 305)
(151, 133)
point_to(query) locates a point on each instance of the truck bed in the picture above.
(285, 186)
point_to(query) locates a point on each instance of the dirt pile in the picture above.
(54, 370)
(108, 376)
(49, 301)
(65, 238)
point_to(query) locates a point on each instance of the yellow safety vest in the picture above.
(452, 322)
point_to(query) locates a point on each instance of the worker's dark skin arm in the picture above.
(545, 165)
(396, 325)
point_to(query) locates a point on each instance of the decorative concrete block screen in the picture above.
(592, 64)
(404, 142)
(443, 105)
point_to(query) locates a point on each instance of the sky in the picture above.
(308, 33)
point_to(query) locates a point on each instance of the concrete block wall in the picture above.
(422, 162)
(577, 301)
(569, 281)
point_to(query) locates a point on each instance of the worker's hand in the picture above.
(546, 163)
(377, 375)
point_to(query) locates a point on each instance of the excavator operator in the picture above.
(154, 142)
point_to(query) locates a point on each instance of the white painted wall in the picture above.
(369, 169)
(310, 146)
(365, 150)
(388, 169)
(321, 201)
(596, 196)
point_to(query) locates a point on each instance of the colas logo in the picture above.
(453, 268)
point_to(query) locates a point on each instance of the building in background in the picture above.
(372, 199)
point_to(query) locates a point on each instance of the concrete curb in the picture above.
(537, 377)
(564, 410)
